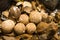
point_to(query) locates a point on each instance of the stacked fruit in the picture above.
(30, 22)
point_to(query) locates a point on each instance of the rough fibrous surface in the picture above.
(29, 20)
(30, 27)
(7, 26)
(19, 28)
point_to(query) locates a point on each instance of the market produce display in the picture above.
(29, 20)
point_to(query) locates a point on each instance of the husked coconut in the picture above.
(24, 18)
(7, 26)
(19, 28)
(14, 12)
(31, 28)
(42, 26)
(35, 17)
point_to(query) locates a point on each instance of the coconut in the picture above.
(19, 3)
(42, 26)
(54, 26)
(19, 28)
(35, 17)
(5, 13)
(27, 4)
(14, 12)
(7, 26)
(24, 18)
(31, 28)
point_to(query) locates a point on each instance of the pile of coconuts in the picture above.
(26, 21)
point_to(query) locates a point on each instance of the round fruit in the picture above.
(14, 12)
(19, 28)
(35, 17)
(7, 26)
(31, 28)
(42, 26)
(24, 18)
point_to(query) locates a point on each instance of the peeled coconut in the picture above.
(19, 28)
(35, 17)
(42, 26)
(27, 4)
(31, 28)
(7, 26)
(24, 18)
